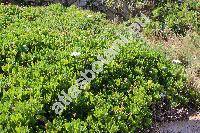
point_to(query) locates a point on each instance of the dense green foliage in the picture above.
(36, 65)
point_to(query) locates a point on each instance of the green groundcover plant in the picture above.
(36, 65)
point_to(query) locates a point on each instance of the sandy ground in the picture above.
(186, 126)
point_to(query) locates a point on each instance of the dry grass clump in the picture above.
(186, 50)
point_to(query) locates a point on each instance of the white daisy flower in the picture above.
(89, 16)
(176, 61)
(75, 53)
